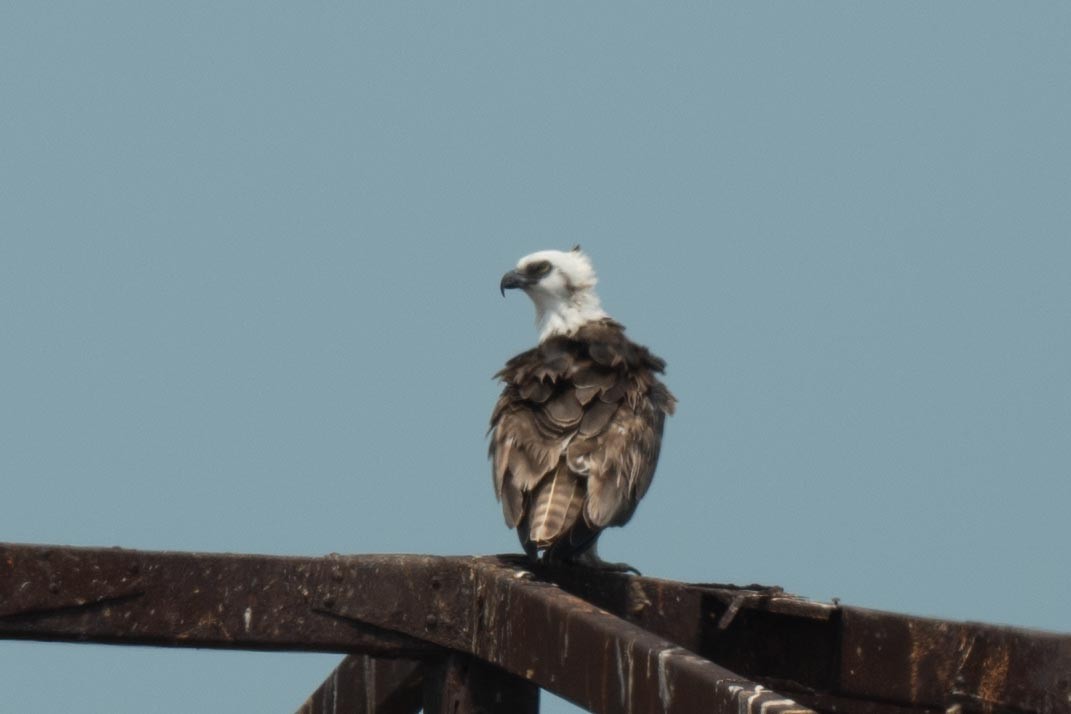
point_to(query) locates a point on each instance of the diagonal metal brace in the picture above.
(502, 615)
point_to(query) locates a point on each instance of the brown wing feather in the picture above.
(596, 418)
(564, 410)
(622, 463)
(536, 390)
(577, 429)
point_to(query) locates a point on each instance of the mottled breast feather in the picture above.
(575, 435)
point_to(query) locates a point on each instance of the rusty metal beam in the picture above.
(111, 595)
(460, 684)
(601, 662)
(759, 631)
(948, 664)
(362, 684)
(490, 608)
(829, 657)
(837, 658)
(380, 605)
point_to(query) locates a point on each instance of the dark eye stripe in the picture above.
(539, 268)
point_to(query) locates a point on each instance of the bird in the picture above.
(576, 433)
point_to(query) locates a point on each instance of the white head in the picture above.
(562, 286)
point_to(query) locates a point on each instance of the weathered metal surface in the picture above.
(596, 659)
(756, 631)
(667, 647)
(843, 658)
(831, 704)
(393, 605)
(490, 608)
(179, 599)
(362, 684)
(944, 664)
(460, 684)
(54, 580)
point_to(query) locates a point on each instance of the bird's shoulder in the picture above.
(575, 383)
(601, 343)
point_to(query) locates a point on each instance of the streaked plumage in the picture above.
(576, 434)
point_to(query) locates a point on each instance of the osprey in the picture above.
(576, 433)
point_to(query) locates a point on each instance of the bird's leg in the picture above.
(530, 551)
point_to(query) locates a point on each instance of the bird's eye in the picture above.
(541, 267)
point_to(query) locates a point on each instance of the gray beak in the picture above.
(513, 279)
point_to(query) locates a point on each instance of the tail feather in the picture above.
(555, 506)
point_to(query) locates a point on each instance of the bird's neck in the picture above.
(564, 317)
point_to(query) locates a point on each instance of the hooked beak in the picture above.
(513, 279)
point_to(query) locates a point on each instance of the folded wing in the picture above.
(576, 434)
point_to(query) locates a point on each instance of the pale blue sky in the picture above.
(249, 258)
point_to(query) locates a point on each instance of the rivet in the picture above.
(431, 621)
(329, 602)
(53, 587)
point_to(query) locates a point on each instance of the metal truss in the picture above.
(485, 634)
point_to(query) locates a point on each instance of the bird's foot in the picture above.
(590, 559)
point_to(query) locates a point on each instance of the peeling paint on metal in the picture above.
(665, 688)
(751, 699)
(620, 675)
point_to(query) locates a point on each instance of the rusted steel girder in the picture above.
(597, 660)
(451, 683)
(393, 605)
(838, 658)
(363, 684)
(829, 657)
(111, 595)
(969, 666)
(461, 684)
